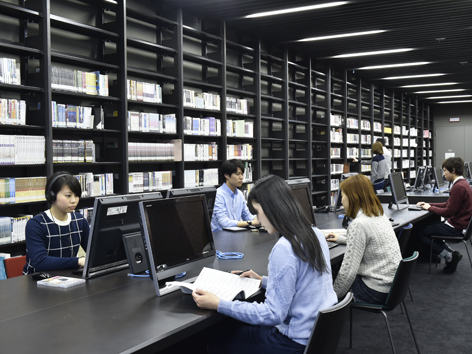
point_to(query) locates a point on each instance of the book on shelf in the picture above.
(10, 71)
(225, 285)
(60, 282)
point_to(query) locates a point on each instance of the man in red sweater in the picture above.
(457, 210)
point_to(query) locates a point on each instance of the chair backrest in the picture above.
(403, 237)
(401, 282)
(468, 231)
(327, 330)
(14, 266)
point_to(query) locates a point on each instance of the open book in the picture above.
(225, 285)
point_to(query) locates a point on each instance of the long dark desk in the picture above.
(418, 196)
(118, 314)
(113, 313)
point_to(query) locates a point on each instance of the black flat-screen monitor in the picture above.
(208, 192)
(339, 197)
(467, 171)
(113, 218)
(438, 179)
(428, 176)
(419, 178)
(470, 168)
(399, 196)
(301, 189)
(178, 236)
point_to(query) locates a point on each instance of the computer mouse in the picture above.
(41, 276)
(391, 219)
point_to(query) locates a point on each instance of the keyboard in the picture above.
(167, 289)
(332, 244)
(413, 207)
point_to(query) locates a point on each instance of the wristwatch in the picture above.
(249, 222)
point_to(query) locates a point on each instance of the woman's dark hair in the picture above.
(58, 180)
(285, 213)
(229, 167)
(454, 165)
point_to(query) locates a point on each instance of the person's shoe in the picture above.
(452, 265)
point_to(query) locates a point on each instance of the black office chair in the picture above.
(455, 239)
(395, 297)
(327, 330)
(403, 238)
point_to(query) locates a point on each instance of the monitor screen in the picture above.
(428, 175)
(398, 190)
(467, 172)
(301, 189)
(339, 197)
(438, 178)
(419, 177)
(113, 218)
(208, 192)
(470, 169)
(178, 236)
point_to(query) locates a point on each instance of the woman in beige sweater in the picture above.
(372, 252)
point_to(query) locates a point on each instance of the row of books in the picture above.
(237, 105)
(201, 178)
(201, 152)
(247, 171)
(66, 151)
(335, 120)
(335, 152)
(140, 182)
(12, 228)
(91, 83)
(241, 152)
(152, 122)
(204, 100)
(10, 71)
(202, 126)
(337, 168)
(12, 111)
(366, 168)
(22, 189)
(72, 116)
(352, 152)
(336, 135)
(22, 150)
(144, 91)
(87, 213)
(94, 185)
(151, 152)
(334, 184)
(365, 124)
(377, 127)
(239, 128)
(352, 123)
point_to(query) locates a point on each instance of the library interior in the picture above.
(139, 105)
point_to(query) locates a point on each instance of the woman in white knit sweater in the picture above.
(372, 252)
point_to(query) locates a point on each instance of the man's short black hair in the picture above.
(229, 167)
(381, 141)
(454, 165)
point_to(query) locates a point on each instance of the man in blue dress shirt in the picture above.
(230, 206)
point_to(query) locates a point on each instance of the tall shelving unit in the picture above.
(292, 97)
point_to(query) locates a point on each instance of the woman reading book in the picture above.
(298, 285)
(53, 237)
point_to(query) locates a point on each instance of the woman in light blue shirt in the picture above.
(298, 285)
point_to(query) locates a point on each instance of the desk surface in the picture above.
(118, 314)
(418, 196)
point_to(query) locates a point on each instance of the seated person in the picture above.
(458, 210)
(230, 206)
(299, 284)
(53, 237)
(372, 252)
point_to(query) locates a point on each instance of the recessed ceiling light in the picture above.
(376, 52)
(340, 36)
(440, 91)
(410, 76)
(394, 65)
(464, 101)
(440, 97)
(438, 84)
(297, 9)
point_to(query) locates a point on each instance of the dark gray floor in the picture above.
(440, 314)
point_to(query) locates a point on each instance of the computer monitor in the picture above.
(438, 178)
(419, 178)
(428, 176)
(208, 192)
(178, 236)
(399, 196)
(467, 171)
(339, 197)
(113, 218)
(470, 168)
(301, 189)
